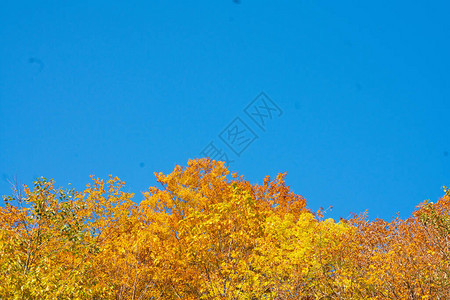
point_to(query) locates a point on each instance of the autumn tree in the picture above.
(207, 234)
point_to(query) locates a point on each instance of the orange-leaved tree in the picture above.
(208, 234)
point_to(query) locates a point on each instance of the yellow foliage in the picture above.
(208, 234)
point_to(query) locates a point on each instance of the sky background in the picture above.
(133, 88)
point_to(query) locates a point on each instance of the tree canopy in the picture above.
(209, 234)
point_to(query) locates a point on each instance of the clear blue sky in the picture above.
(133, 88)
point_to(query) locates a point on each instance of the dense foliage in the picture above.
(208, 234)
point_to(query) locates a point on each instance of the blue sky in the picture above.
(133, 88)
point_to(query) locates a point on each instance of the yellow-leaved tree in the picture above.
(208, 234)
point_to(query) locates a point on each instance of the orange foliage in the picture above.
(208, 234)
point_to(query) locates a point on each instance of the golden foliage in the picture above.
(208, 234)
